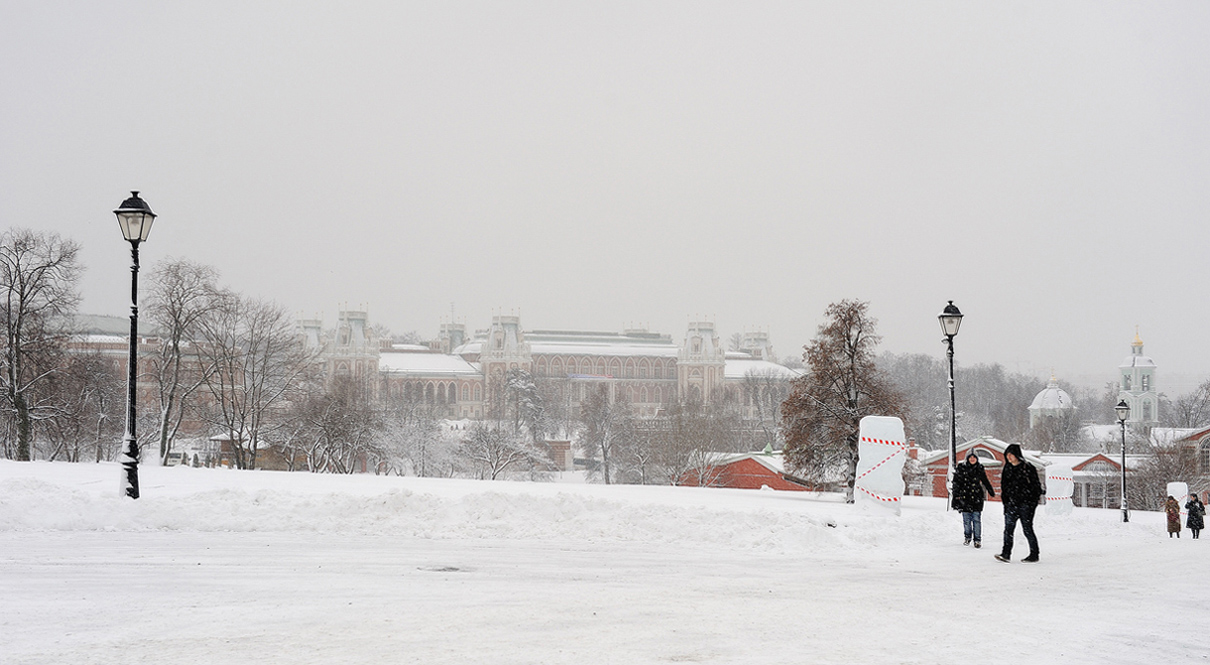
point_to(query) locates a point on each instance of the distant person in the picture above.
(969, 481)
(1173, 508)
(1020, 490)
(1197, 512)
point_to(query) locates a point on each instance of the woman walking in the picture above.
(969, 482)
(1174, 516)
(1197, 512)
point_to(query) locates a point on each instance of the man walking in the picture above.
(1020, 491)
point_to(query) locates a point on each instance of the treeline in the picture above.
(990, 401)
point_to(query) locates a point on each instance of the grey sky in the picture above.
(593, 165)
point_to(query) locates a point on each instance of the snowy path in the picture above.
(598, 591)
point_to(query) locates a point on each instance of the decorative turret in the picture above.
(1137, 385)
(757, 344)
(504, 349)
(452, 336)
(700, 364)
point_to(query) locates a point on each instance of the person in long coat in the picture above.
(967, 491)
(1174, 516)
(1197, 511)
(1020, 491)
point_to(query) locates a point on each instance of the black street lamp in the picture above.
(135, 218)
(1123, 411)
(950, 319)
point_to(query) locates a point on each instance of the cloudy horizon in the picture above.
(603, 165)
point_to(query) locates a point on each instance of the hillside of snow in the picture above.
(220, 566)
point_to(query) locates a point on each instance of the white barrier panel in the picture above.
(1180, 492)
(881, 452)
(1060, 482)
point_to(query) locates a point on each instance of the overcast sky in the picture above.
(603, 165)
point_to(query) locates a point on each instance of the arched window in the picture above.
(1203, 457)
(466, 390)
(478, 394)
(643, 395)
(428, 393)
(452, 394)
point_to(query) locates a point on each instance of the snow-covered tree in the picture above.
(38, 276)
(606, 426)
(181, 294)
(491, 450)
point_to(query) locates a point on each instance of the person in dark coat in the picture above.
(967, 491)
(1020, 490)
(1197, 511)
(1173, 508)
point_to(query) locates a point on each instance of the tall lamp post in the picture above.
(1123, 411)
(951, 319)
(135, 218)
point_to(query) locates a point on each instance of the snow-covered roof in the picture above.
(774, 462)
(1165, 436)
(412, 348)
(1137, 361)
(565, 342)
(90, 338)
(424, 363)
(1031, 456)
(1071, 461)
(739, 368)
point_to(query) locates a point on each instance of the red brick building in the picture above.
(750, 471)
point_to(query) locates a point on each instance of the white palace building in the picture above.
(455, 372)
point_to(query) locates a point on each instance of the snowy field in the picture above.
(218, 566)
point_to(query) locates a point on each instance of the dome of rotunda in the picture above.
(1052, 398)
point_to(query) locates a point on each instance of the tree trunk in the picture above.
(23, 427)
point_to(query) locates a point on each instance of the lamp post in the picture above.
(135, 218)
(950, 319)
(1123, 411)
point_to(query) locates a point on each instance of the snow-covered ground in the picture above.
(217, 566)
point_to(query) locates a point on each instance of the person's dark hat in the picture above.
(970, 454)
(1014, 449)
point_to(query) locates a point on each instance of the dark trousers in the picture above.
(1025, 513)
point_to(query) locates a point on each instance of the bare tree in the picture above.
(341, 424)
(735, 342)
(492, 450)
(1189, 410)
(1147, 486)
(822, 416)
(689, 439)
(181, 294)
(607, 425)
(255, 360)
(89, 395)
(762, 393)
(38, 275)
